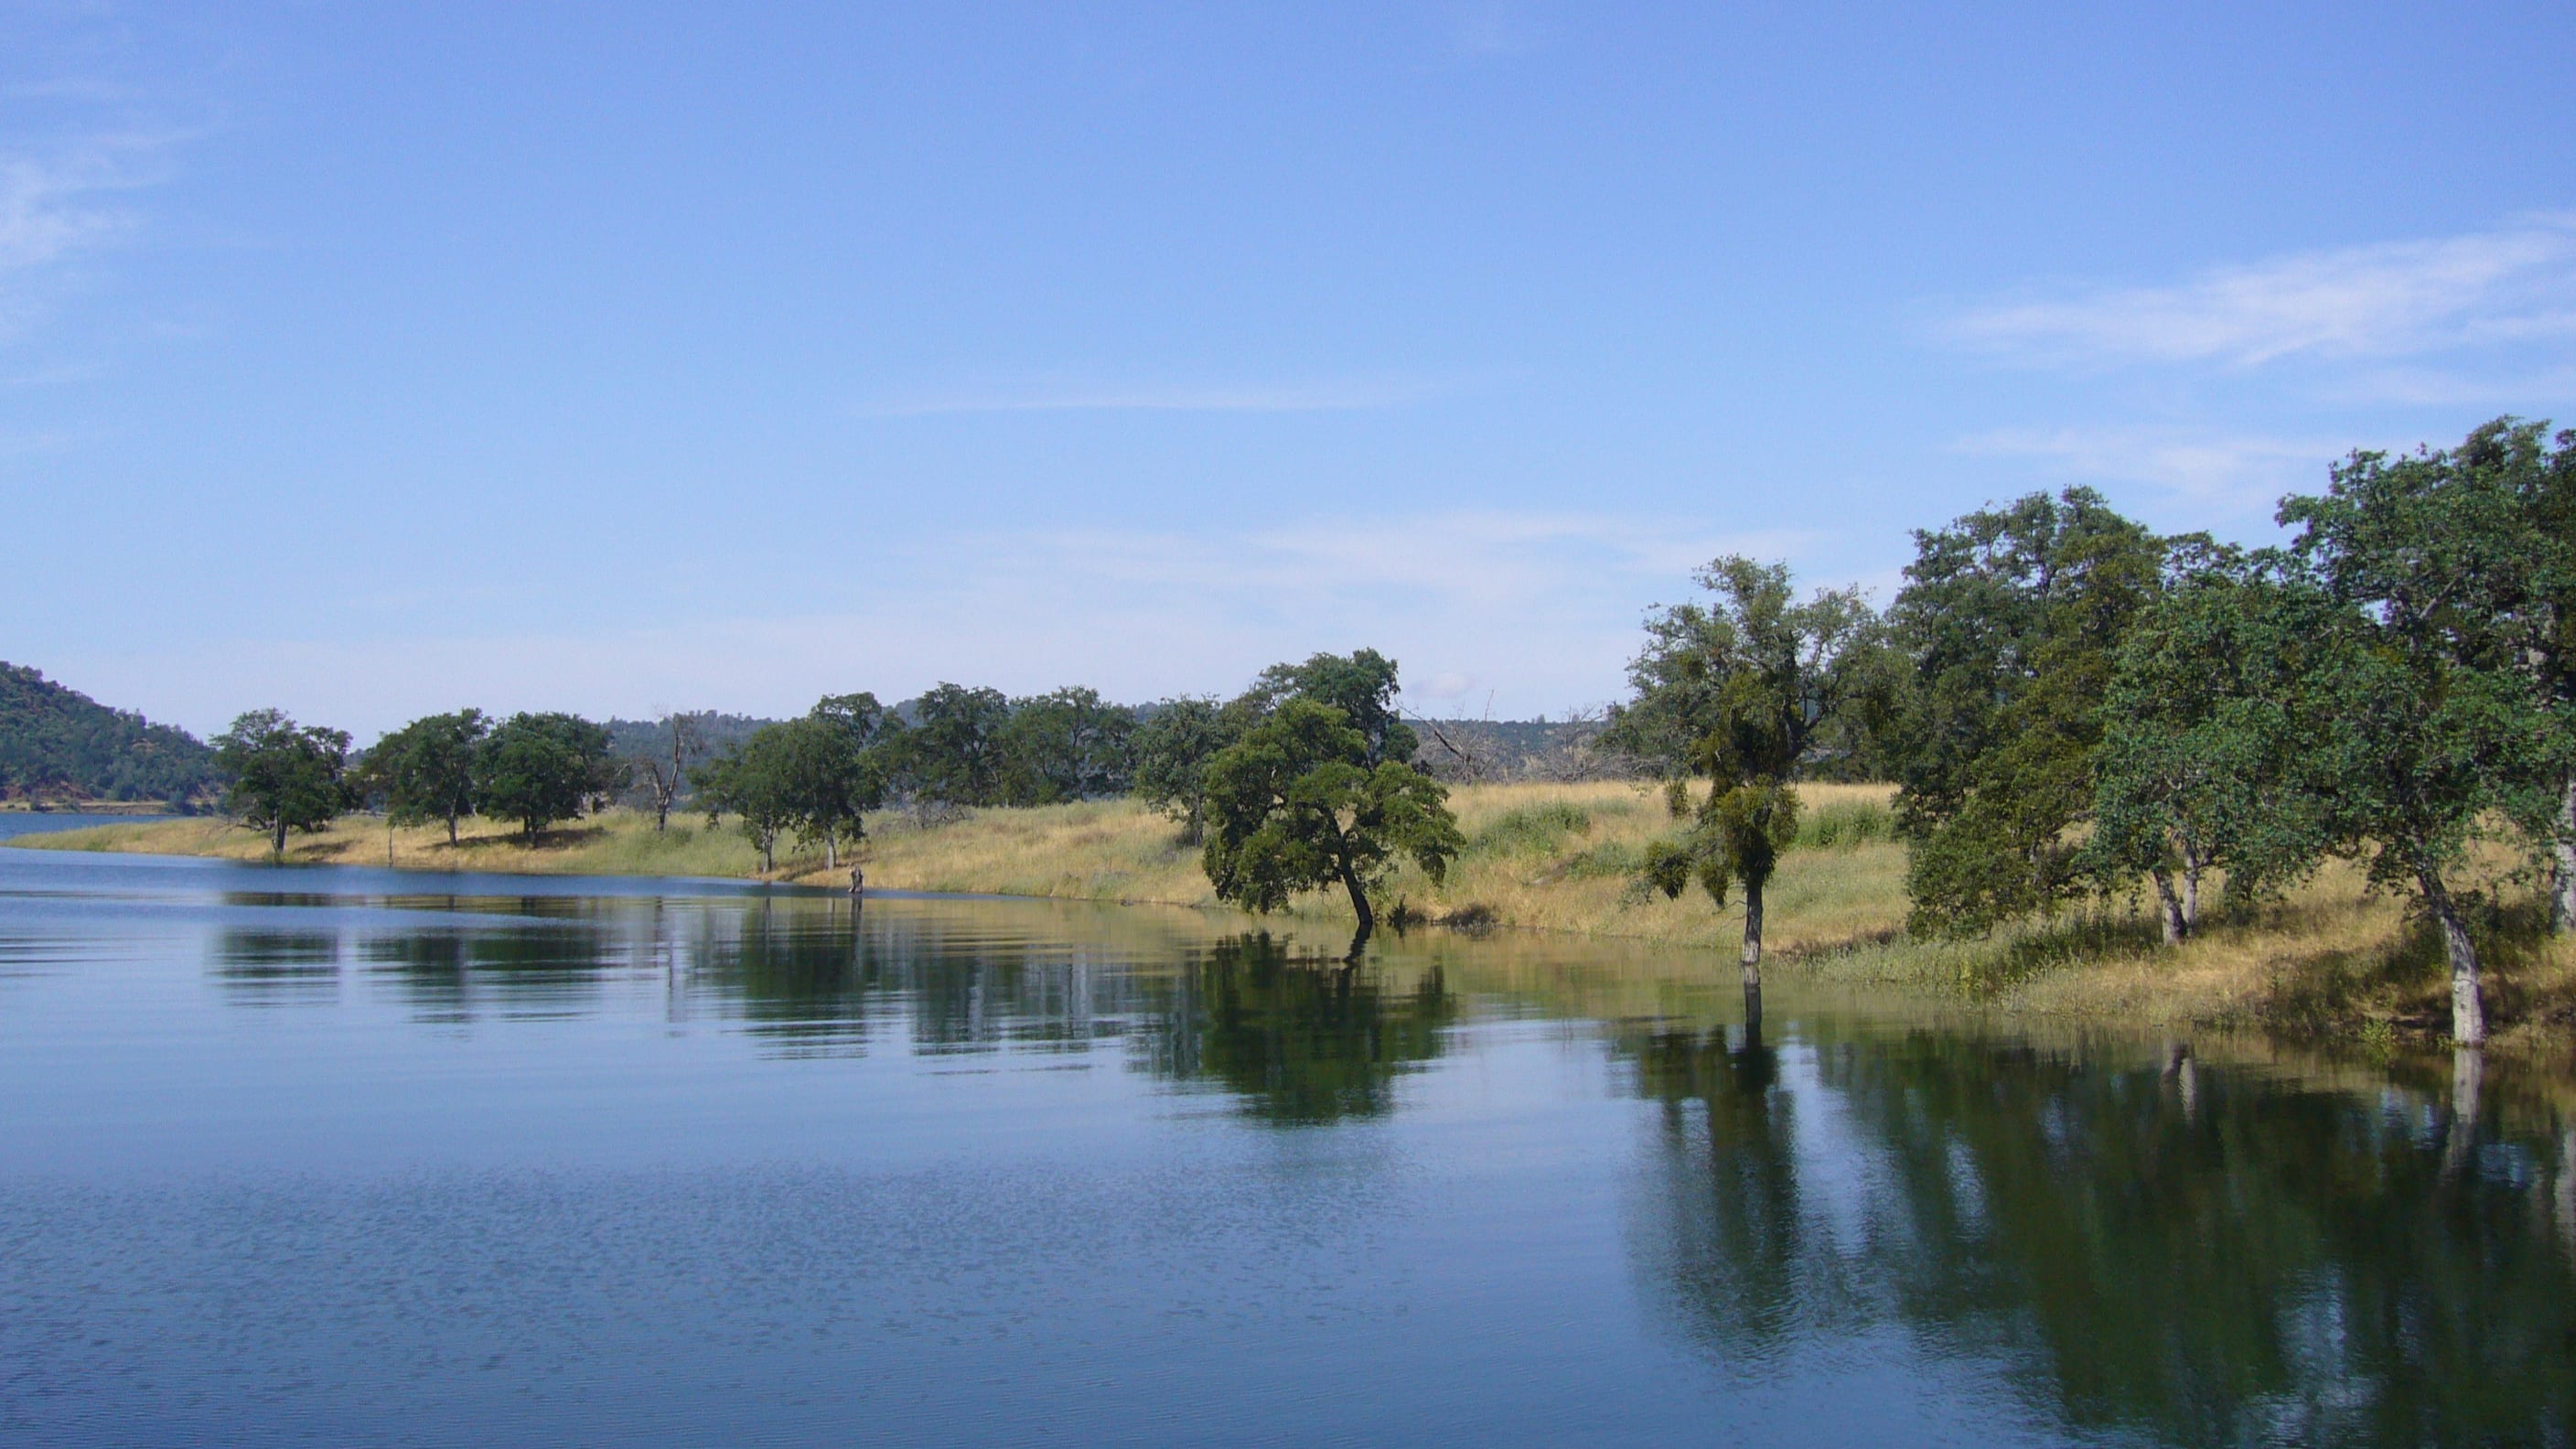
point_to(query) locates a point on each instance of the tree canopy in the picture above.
(283, 776)
(426, 769)
(2009, 619)
(1297, 804)
(1736, 693)
(537, 769)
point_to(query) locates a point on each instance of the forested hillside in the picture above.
(58, 744)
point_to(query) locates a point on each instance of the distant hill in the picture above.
(58, 744)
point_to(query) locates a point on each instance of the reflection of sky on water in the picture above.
(961, 1170)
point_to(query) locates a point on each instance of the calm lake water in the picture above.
(338, 1156)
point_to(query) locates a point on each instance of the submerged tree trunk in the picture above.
(2460, 1141)
(1752, 933)
(2169, 907)
(2468, 1013)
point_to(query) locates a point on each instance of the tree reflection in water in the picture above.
(1301, 1040)
(2173, 1249)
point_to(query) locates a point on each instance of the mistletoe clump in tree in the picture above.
(1738, 693)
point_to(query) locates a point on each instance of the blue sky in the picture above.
(373, 360)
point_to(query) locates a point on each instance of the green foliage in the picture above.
(818, 776)
(57, 742)
(1172, 747)
(2009, 620)
(2205, 760)
(2432, 724)
(953, 754)
(1361, 685)
(1298, 804)
(537, 769)
(1735, 693)
(425, 770)
(1069, 745)
(284, 776)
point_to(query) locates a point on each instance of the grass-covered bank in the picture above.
(2328, 965)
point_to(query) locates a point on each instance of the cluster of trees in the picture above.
(58, 743)
(2073, 706)
(1306, 781)
(534, 769)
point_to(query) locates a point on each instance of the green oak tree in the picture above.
(1298, 804)
(755, 783)
(1737, 693)
(1173, 745)
(952, 756)
(2206, 737)
(426, 769)
(1360, 684)
(2009, 619)
(2435, 728)
(284, 776)
(537, 769)
(1069, 745)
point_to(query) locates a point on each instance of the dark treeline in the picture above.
(59, 744)
(2074, 708)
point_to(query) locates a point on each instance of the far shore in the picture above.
(2330, 965)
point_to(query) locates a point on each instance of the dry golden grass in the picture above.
(2331, 963)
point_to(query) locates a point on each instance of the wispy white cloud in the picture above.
(2513, 285)
(1333, 395)
(2233, 473)
(1540, 609)
(60, 201)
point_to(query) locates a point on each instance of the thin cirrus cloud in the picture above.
(2512, 285)
(1330, 395)
(2234, 474)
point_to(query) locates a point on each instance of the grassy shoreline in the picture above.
(2329, 965)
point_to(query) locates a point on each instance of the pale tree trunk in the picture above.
(2562, 895)
(2169, 907)
(2468, 1013)
(2193, 864)
(2468, 1079)
(1752, 935)
(831, 850)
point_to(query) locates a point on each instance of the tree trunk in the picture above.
(277, 836)
(2193, 864)
(1752, 934)
(831, 851)
(1359, 899)
(2169, 908)
(451, 830)
(2562, 895)
(2468, 1013)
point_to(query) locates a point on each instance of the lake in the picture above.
(333, 1155)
